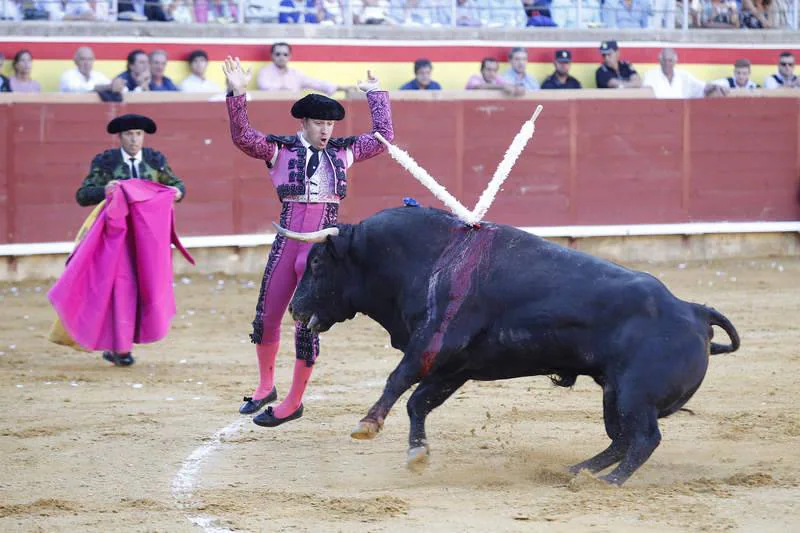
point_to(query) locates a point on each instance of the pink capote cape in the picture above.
(117, 287)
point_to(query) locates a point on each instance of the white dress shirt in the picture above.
(137, 159)
(683, 84)
(72, 81)
(196, 84)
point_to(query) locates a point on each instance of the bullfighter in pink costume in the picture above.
(309, 173)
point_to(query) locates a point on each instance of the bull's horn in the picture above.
(314, 236)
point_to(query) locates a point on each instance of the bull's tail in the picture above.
(715, 318)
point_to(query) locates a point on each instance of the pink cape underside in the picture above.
(116, 289)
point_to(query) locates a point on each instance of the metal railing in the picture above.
(567, 14)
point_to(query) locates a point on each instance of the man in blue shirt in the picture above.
(517, 75)
(615, 73)
(158, 64)
(422, 78)
(560, 79)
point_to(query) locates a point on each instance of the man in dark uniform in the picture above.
(614, 73)
(130, 161)
(560, 79)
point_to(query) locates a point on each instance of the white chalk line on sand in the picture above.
(185, 481)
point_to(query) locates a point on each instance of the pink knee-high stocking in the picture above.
(302, 374)
(266, 352)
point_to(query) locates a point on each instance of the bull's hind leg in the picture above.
(616, 451)
(430, 394)
(638, 420)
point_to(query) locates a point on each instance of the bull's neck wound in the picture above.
(460, 258)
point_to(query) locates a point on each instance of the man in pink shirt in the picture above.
(277, 76)
(489, 80)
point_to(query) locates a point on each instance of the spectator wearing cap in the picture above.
(670, 82)
(5, 84)
(740, 81)
(422, 77)
(517, 74)
(560, 79)
(158, 64)
(196, 82)
(785, 77)
(615, 73)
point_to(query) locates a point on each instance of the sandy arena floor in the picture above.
(89, 447)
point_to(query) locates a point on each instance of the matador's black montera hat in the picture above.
(131, 122)
(318, 107)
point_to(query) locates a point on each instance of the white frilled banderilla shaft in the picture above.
(471, 218)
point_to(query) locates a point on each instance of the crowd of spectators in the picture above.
(751, 14)
(146, 72)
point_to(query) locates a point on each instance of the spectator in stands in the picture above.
(137, 75)
(761, 14)
(84, 78)
(86, 10)
(21, 81)
(627, 13)
(467, 13)
(196, 82)
(277, 76)
(5, 84)
(158, 64)
(565, 13)
(785, 77)
(517, 75)
(10, 11)
(615, 73)
(291, 10)
(662, 14)
(538, 13)
(670, 82)
(502, 13)
(221, 11)
(489, 80)
(741, 77)
(420, 12)
(560, 79)
(370, 11)
(141, 10)
(422, 77)
(41, 10)
(180, 11)
(720, 14)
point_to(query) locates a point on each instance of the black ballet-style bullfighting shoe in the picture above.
(251, 406)
(269, 420)
(118, 359)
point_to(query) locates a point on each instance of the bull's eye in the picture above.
(314, 264)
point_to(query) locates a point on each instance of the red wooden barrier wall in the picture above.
(590, 162)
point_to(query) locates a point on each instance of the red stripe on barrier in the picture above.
(364, 53)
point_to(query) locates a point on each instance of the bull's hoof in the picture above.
(366, 430)
(417, 459)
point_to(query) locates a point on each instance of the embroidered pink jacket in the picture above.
(288, 169)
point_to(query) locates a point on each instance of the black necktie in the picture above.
(134, 174)
(313, 162)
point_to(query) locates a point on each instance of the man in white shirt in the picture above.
(785, 78)
(669, 82)
(196, 82)
(83, 78)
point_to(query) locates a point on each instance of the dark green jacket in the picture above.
(109, 166)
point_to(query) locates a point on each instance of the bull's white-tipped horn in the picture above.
(314, 236)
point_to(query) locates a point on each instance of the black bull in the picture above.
(494, 302)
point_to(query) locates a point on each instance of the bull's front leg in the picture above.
(400, 380)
